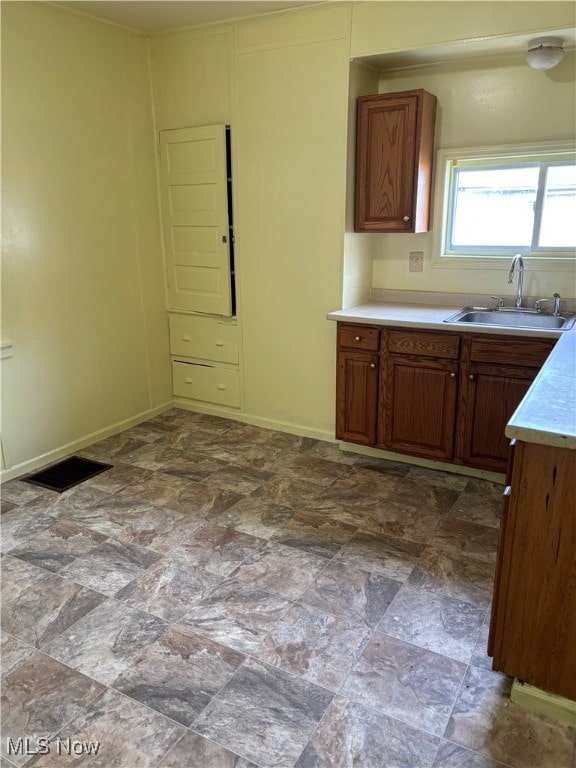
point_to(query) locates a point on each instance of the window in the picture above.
(497, 203)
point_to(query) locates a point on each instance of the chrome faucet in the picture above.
(557, 298)
(517, 260)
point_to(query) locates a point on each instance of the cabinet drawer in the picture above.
(511, 351)
(204, 340)
(207, 383)
(446, 345)
(358, 337)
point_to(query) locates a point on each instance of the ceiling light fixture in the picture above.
(545, 52)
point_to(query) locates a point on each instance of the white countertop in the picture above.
(547, 414)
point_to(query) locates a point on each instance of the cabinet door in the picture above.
(489, 396)
(356, 397)
(194, 195)
(395, 138)
(418, 405)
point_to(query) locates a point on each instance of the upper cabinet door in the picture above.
(395, 141)
(193, 188)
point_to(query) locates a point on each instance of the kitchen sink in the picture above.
(512, 318)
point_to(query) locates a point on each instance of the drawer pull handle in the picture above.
(221, 386)
(357, 338)
(219, 343)
(185, 338)
(471, 377)
(188, 380)
(406, 218)
(372, 365)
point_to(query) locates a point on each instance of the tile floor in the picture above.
(228, 596)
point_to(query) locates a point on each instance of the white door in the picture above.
(194, 197)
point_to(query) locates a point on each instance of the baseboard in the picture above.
(544, 703)
(256, 421)
(457, 469)
(65, 450)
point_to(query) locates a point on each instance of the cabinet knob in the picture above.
(188, 380)
(219, 343)
(406, 218)
(221, 386)
(372, 365)
(356, 338)
(185, 338)
(471, 377)
(452, 375)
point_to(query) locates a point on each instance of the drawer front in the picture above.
(201, 339)
(510, 351)
(358, 337)
(446, 345)
(207, 383)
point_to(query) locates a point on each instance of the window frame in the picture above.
(543, 155)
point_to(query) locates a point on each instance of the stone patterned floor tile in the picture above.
(453, 756)
(38, 606)
(390, 557)
(21, 524)
(194, 751)
(283, 570)
(13, 653)
(480, 502)
(480, 656)
(315, 469)
(182, 495)
(158, 528)
(314, 645)
(169, 588)
(351, 735)
(110, 566)
(438, 623)
(40, 697)
(486, 721)
(351, 593)
(361, 483)
(243, 480)
(110, 515)
(107, 640)
(235, 614)
(402, 522)
(434, 498)
(218, 549)
(117, 477)
(352, 508)
(281, 708)
(288, 491)
(20, 492)
(128, 735)
(258, 517)
(113, 448)
(469, 539)
(58, 545)
(314, 533)
(178, 674)
(408, 683)
(331, 452)
(461, 577)
(437, 478)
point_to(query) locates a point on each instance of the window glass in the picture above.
(558, 224)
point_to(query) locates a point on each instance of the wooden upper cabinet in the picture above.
(395, 144)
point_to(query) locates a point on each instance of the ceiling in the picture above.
(150, 16)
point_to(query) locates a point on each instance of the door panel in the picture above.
(193, 188)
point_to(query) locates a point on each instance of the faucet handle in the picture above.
(499, 300)
(538, 304)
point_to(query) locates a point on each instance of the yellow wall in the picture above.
(82, 275)
(489, 101)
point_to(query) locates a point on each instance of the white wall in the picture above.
(82, 273)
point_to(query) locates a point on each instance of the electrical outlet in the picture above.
(416, 261)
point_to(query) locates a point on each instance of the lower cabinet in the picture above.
(205, 359)
(439, 395)
(533, 620)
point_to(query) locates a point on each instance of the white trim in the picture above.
(557, 707)
(65, 450)
(441, 188)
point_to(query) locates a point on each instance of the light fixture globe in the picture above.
(545, 52)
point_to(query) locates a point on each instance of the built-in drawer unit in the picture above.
(203, 339)
(207, 383)
(422, 343)
(358, 337)
(529, 351)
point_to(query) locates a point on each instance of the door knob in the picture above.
(372, 365)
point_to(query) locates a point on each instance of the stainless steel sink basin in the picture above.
(512, 319)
